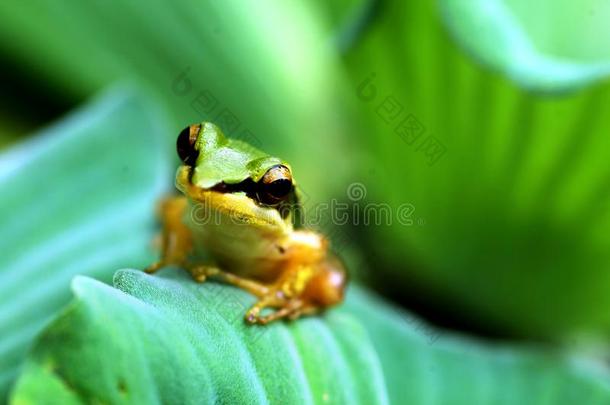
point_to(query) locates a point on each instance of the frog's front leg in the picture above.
(201, 273)
(176, 241)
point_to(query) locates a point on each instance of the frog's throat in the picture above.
(237, 206)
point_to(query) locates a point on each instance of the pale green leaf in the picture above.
(77, 198)
(543, 45)
(511, 221)
(167, 339)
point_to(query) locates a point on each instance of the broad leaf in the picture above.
(510, 189)
(546, 45)
(167, 339)
(77, 198)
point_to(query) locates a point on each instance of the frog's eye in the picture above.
(185, 145)
(276, 184)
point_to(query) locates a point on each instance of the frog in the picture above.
(237, 220)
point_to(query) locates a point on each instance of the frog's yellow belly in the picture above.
(237, 237)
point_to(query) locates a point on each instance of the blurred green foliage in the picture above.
(515, 210)
(544, 45)
(92, 174)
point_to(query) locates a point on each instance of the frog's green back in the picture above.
(231, 161)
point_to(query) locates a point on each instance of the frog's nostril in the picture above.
(185, 144)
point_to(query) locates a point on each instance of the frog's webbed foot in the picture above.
(286, 297)
(286, 309)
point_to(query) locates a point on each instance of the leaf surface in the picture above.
(167, 339)
(77, 198)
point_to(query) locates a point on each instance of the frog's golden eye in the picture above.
(276, 184)
(185, 145)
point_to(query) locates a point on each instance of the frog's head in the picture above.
(232, 167)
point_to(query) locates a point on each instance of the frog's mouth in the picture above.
(243, 202)
(239, 208)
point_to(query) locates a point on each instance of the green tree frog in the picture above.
(236, 222)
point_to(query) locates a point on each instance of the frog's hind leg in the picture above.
(285, 297)
(176, 241)
(289, 309)
(269, 301)
(303, 310)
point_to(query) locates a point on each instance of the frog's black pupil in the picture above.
(186, 150)
(279, 188)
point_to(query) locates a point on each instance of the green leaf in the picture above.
(167, 339)
(346, 20)
(173, 341)
(546, 45)
(515, 205)
(77, 198)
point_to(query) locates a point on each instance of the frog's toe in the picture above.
(251, 318)
(290, 310)
(200, 273)
(154, 267)
(254, 314)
